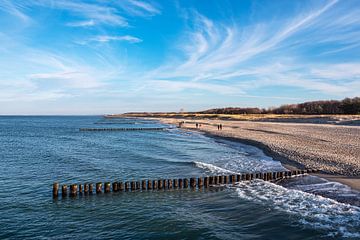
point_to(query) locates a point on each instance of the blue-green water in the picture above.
(37, 151)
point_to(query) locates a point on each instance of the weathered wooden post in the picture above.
(107, 187)
(98, 187)
(206, 182)
(91, 188)
(211, 180)
(80, 189)
(233, 179)
(160, 184)
(55, 190)
(149, 187)
(121, 186)
(247, 176)
(115, 187)
(238, 177)
(177, 183)
(143, 185)
(216, 180)
(200, 182)
(221, 179)
(266, 176)
(226, 179)
(186, 183)
(155, 184)
(165, 184)
(181, 183)
(86, 188)
(73, 190)
(170, 183)
(132, 184)
(192, 183)
(137, 184)
(64, 190)
(252, 176)
(127, 186)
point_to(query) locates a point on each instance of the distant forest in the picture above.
(346, 106)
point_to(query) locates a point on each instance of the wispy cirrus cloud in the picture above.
(89, 13)
(107, 38)
(244, 57)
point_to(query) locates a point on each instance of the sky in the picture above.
(103, 57)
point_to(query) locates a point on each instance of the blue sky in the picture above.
(102, 56)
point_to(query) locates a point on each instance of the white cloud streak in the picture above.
(244, 57)
(126, 38)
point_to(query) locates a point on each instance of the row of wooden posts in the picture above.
(163, 184)
(123, 129)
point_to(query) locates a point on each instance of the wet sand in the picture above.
(334, 150)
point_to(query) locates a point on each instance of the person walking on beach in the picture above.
(197, 125)
(220, 126)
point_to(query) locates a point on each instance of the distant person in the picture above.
(220, 126)
(197, 125)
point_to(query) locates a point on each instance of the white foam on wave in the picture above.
(213, 169)
(313, 211)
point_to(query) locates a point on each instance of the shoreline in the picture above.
(352, 181)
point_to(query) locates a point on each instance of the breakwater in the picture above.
(124, 129)
(163, 184)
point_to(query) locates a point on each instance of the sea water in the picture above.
(37, 151)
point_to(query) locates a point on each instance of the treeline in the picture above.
(346, 106)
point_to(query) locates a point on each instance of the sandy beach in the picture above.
(333, 149)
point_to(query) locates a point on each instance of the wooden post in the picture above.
(73, 190)
(127, 186)
(160, 184)
(211, 180)
(107, 187)
(252, 176)
(216, 180)
(165, 184)
(206, 182)
(132, 186)
(170, 183)
(221, 179)
(86, 188)
(247, 176)
(192, 183)
(181, 183)
(155, 184)
(149, 187)
(143, 185)
(233, 179)
(121, 186)
(55, 190)
(176, 183)
(238, 177)
(80, 189)
(266, 176)
(115, 187)
(91, 188)
(137, 184)
(64, 190)
(200, 182)
(186, 183)
(98, 187)
(226, 179)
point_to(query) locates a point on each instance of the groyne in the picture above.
(195, 183)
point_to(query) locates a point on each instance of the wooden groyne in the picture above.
(123, 129)
(167, 184)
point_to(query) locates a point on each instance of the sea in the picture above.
(36, 151)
